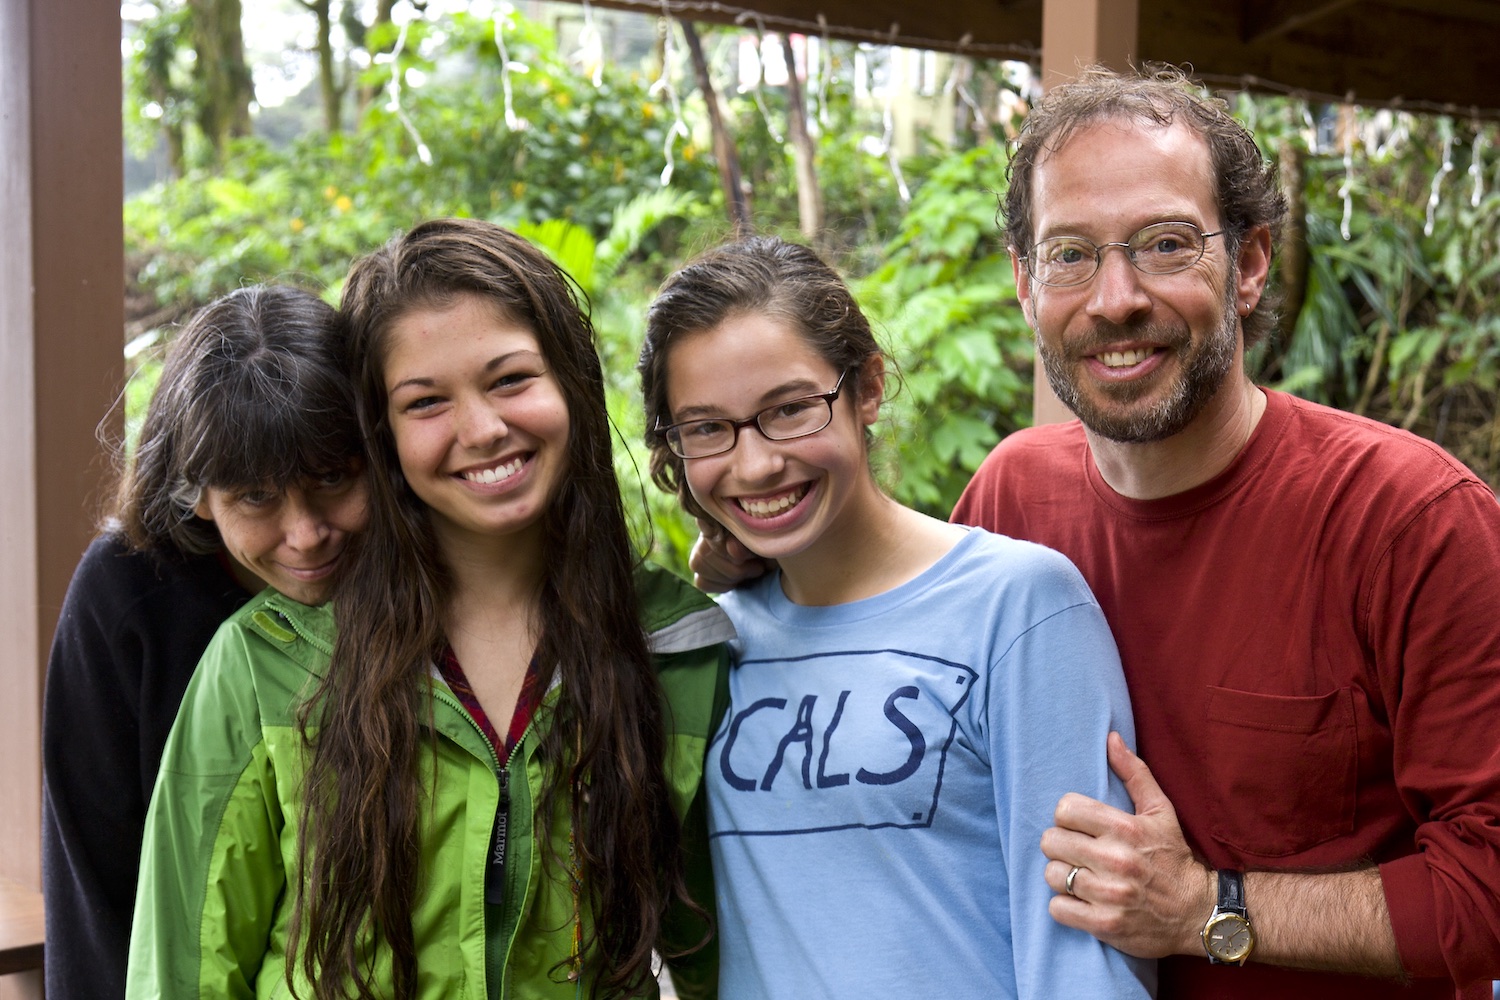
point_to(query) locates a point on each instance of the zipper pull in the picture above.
(494, 878)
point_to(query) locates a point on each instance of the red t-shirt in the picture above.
(1312, 645)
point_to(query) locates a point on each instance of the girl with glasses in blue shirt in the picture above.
(909, 698)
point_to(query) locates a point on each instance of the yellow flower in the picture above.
(563, 98)
(690, 152)
(297, 224)
(343, 203)
(330, 192)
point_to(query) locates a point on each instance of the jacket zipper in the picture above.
(494, 877)
(494, 880)
(494, 874)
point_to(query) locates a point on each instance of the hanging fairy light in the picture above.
(954, 83)
(1445, 125)
(1346, 192)
(1396, 138)
(589, 56)
(892, 160)
(663, 85)
(886, 145)
(1476, 166)
(513, 121)
(757, 87)
(825, 73)
(393, 90)
(1346, 189)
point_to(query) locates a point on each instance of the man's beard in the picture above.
(1200, 379)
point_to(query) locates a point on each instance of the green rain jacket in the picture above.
(213, 902)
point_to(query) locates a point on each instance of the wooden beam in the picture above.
(1380, 52)
(62, 286)
(1263, 20)
(1010, 30)
(1425, 52)
(1481, 11)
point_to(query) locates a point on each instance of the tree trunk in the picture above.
(809, 195)
(367, 92)
(724, 151)
(176, 151)
(329, 86)
(1291, 165)
(223, 77)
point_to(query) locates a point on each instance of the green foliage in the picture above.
(1400, 319)
(1399, 323)
(860, 198)
(656, 522)
(579, 175)
(945, 294)
(576, 151)
(160, 93)
(303, 212)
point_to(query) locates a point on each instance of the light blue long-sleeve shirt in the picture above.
(879, 787)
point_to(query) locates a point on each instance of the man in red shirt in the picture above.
(1304, 600)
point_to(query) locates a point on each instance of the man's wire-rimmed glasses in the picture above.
(1163, 248)
(784, 421)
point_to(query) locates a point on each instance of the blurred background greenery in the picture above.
(588, 132)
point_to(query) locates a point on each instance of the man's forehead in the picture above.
(1127, 170)
(1165, 139)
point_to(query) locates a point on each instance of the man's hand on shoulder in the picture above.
(1138, 886)
(720, 562)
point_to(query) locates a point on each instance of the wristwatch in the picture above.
(1228, 937)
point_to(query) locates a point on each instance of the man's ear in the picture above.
(1023, 287)
(1254, 264)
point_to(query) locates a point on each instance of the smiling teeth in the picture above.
(770, 508)
(487, 476)
(1123, 359)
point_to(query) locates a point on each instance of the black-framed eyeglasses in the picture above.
(1163, 248)
(784, 421)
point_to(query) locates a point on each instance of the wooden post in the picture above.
(1076, 34)
(61, 321)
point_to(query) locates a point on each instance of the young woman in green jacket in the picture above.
(477, 774)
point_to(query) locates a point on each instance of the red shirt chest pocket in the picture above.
(1282, 771)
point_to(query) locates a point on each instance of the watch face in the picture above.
(1229, 938)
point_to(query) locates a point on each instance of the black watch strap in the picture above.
(1231, 891)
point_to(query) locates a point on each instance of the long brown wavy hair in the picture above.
(603, 742)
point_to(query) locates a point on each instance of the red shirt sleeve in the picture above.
(1434, 627)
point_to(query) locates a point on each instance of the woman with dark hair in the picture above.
(909, 699)
(246, 474)
(475, 767)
